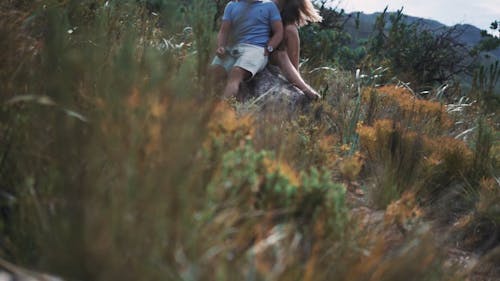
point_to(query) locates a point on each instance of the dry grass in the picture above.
(136, 171)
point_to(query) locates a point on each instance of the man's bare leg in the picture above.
(218, 76)
(236, 76)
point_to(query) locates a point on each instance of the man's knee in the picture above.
(238, 75)
(217, 72)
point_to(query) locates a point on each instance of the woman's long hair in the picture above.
(299, 12)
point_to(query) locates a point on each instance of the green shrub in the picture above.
(115, 158)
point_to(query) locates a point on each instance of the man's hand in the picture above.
(277, 30)
(220, 52)
(268, 50)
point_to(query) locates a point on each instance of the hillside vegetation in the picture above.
(118, 160)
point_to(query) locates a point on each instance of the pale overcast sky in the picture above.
(476, 12)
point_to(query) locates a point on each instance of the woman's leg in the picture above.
(292, 44)
(282, 59)
(288, 61)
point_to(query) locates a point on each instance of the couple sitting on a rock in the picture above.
(254, 32)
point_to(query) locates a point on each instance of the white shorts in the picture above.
(249, 57)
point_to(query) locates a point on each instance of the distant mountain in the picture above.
(468, 34)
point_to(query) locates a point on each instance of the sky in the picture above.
(476, 12)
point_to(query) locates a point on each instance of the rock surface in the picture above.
(10, 272)
(270, 87)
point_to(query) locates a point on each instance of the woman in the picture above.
(294, 14)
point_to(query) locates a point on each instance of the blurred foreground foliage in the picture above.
(118, 161)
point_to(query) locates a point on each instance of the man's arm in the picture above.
(277, 29)
(222, 38)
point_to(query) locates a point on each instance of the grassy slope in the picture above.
(119, 163)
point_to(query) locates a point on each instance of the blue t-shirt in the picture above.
(251, 21)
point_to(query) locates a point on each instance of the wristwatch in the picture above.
(270, 48)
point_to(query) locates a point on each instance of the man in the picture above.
(244, 41)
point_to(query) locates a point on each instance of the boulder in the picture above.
(10, 272)
(269, 87)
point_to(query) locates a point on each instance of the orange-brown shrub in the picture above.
(448, 155)
(400, 104)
